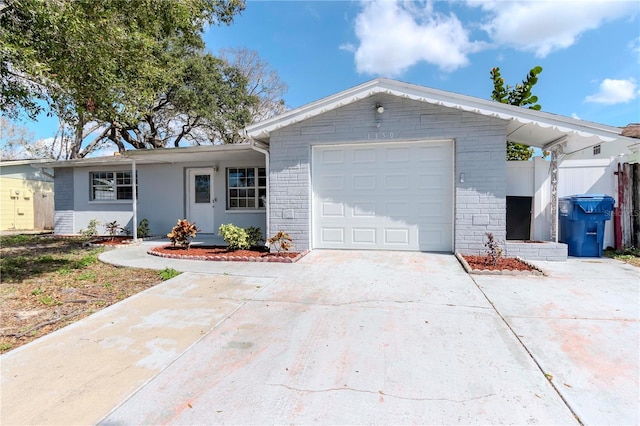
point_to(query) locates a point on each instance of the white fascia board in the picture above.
(262, 130)
(172, 152)
(35, 162)
(86, 162)
(148, 156)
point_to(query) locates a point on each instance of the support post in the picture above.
(134, 186)
(265, 150)
(554, 194)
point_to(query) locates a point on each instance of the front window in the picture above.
(110, 186)
(246, 188)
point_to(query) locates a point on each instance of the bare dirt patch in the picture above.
(49, 282)
(117, 240)
(221, 253)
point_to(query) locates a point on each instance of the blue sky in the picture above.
(589, 50)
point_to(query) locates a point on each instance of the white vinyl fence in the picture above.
(531, 179)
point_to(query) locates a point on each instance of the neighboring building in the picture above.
(384, 165)
(26, 194)
(607, 149)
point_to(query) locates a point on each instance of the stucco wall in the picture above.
(161, 196)
(479, 154)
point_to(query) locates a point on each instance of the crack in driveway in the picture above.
(358, 302)
(379, 393)
(572, 318)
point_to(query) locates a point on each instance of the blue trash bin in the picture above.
(582, 219)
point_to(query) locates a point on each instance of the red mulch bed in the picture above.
(221, 253)
(503, 264)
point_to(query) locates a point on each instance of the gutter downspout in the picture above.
(134, 191)
(263, 149)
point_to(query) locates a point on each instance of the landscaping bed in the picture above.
(222, 253)
(502, 265)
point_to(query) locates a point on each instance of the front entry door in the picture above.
(200, 198)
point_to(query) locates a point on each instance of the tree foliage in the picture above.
(262, 81)
(519, 95)
(104, 61)
(206, 101)
(13, 140)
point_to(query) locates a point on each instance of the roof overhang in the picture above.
(33, 162)
(534, 128)
(185, 154)
(155, 156)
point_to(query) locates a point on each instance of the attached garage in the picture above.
(383, 196)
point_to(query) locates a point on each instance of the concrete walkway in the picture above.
(339, 337)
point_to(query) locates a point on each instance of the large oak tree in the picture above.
(115, 63)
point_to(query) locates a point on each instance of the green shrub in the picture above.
(182, 233)
(143, 229)
(239, 238)
(168, 273)
(113, 228)
(92, 229)
(254, 236)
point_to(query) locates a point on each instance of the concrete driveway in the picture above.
(339, 337)
(581, 325)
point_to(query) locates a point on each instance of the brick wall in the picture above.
(479, 154)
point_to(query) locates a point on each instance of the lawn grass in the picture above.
(48, 282)
(630, 255)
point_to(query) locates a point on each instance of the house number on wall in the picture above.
(377, 136)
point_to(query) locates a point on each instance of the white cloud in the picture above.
(348, 47)
(574, 115)
(615, 92)
(634, 46)
(394, 36)
(547, 25)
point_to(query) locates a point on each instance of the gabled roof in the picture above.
(535, 128)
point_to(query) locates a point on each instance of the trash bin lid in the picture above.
(593, 203)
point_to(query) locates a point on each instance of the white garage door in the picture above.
(391, 196)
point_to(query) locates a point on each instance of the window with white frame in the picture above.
(596, 149)
(111, 186)
(246, 188)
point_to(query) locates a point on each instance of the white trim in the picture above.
(257, 188)
(264, 149)
(246, 210)
(525, 116)
(212, 195)
(36, 163)
(116, 200)
(110, 202)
